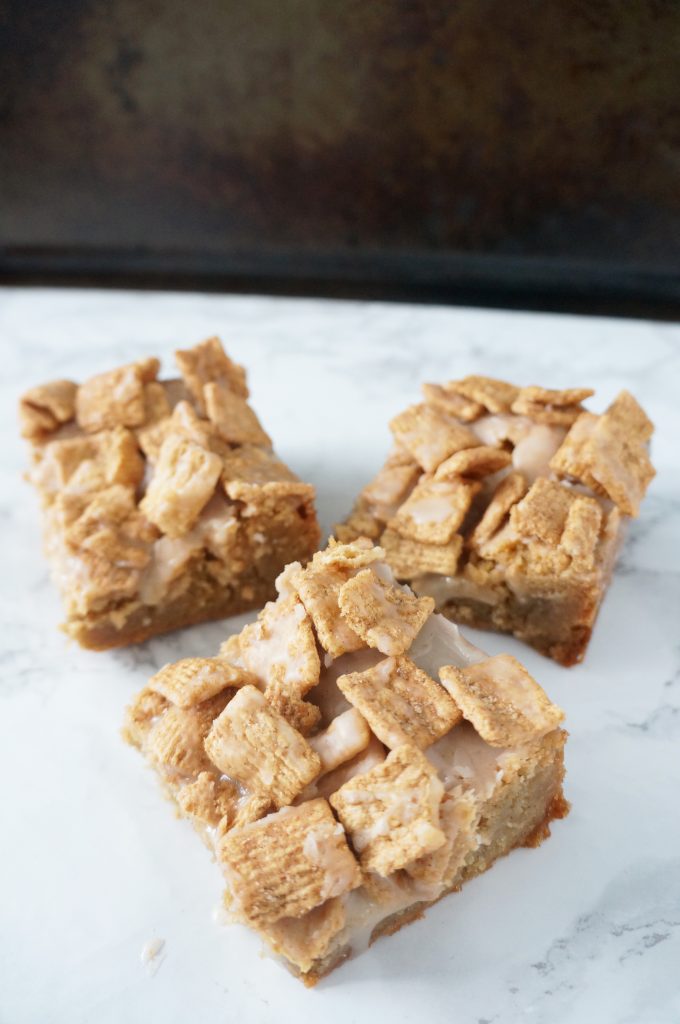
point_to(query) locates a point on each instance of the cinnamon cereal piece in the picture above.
(435, 510)
(141, 715)
(630, 417)
(494, 395)
(581, 533)
(545, 405)
(474, 462)
(346, 736)
(119, 455)
(208, 798)
(410, 558)
(542, 513)
(193, 680)
(444, 398)
(44, 408)
(234, 419)
(206, 363)
(176, 741)
(391, 485)
(181, 486)
(391, 813)
(384, 615)
(608, 453)
(509, 491)
(401, 703)
(254, 744)
(429, 435)
(280, 649)
(503, 702)
(320, 583)
(287, 863)
(307, 939)
(112, 399)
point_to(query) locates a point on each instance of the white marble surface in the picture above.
(93, 863)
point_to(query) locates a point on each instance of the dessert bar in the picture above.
(349, 758)
(507, 505)
(164, 504)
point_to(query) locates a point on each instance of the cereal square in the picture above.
(233, 418)
(287, 863)
(503, 702)
(435, 510)
(401, 703)
(430, 435)
(193, 680)
(112, 399)
(411, 558)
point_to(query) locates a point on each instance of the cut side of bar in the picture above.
(164, 503)
(508, 505)
(350, 758)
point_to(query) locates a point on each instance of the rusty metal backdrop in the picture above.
(523, 153)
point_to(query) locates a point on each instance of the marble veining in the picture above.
(94, 864)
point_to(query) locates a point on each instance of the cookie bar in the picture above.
(507, 505)
(164, 504)
(350, 758)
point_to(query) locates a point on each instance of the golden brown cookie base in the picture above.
(101, 634)
(567, 645)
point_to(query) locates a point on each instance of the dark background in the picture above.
(482, 151)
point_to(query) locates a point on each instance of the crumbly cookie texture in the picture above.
(164, 504)
(349, 758)
(507, 504)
